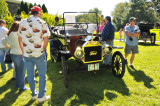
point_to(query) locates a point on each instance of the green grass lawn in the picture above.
(137, 87)
(117, 36)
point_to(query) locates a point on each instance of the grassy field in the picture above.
(117, 36)
(137, 87)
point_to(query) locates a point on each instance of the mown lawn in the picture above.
(137, 87)
(117, 36)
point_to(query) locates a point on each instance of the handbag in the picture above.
(8, 58)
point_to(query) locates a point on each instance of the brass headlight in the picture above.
(79, 53)
(107, 50)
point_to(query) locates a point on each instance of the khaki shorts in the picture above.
(129, 48)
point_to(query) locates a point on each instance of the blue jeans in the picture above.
(2, 59)
(41, 65)
(108, 59)
(20, 71)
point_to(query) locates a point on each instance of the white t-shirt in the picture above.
(3, 33)
(13, 42)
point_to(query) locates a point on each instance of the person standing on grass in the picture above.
(11, 42)
(120, 33)
(124, 31)
(132, 33)
(33, 40)
(108, 37)
(16, 19)
(3, 49)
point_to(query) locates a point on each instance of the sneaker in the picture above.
(44, 98)
(132, 67)
(24, 89)
(10, 68)
(34, 97)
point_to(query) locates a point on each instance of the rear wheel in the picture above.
(153, 39)
(64, 69)
(118, 64)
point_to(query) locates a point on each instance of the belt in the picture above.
(109, 40)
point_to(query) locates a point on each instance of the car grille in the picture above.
(93, 54)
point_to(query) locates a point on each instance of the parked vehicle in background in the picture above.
(146, 34)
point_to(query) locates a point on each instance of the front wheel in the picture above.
(64, 70)
(118, 64)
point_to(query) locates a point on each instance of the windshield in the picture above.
(76, 24)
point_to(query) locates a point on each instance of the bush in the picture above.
(24, 15)
(9, 20)
(50, 19)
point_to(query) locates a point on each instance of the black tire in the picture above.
(52, 59)
(64, 70)
(55, 46)
(118, 64)
(153, 39)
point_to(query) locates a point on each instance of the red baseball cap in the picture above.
(36, 8)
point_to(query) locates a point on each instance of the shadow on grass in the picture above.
(147, 44)
(87, 88)
(13, 92)
(2, 74)
(139, 76)
(29, 103)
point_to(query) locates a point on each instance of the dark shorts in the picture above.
(129, 48)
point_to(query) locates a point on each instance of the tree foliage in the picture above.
(120, 14)
(4, 9)
(30, 6)
(143, 10)
(27, 7)
(91, 17)
(44, 9)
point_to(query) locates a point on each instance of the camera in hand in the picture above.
(130, 39)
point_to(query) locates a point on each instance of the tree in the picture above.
(4, 11)
(35, 4)
(39, 5)
(30, 6)
(96, 10)
(18, 11)
(44, 9)
(120, 14)
(26, 8)
(143, 10)
(154, 5)
(22, 6)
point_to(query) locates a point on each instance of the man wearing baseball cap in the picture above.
(131, 45)
(33, 40)
(107, 38)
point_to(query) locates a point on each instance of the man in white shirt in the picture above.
(33, 40)
(3, 49)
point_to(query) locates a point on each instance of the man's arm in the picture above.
(21, 44)
(45, 43)
(136, 34)
(129, 34)
(105, 32)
